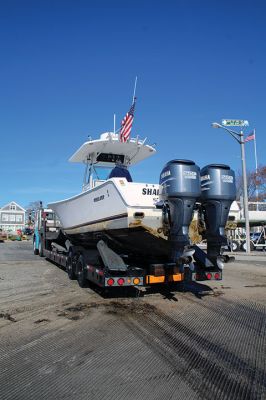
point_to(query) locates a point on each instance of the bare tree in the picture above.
(256, 184)
(30, 210)
(33, 205)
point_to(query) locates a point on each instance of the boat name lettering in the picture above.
(146, 191)
(190, 174)
(205, 178)
(227, 178)
(99, 198)
(165, 173)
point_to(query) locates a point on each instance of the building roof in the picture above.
(12, 202)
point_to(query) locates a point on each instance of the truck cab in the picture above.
(46, 222)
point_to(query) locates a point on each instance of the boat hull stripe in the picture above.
(97, 221)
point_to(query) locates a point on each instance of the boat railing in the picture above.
(98, 182)
(85, 187)
(95, 183)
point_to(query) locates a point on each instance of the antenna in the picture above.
(134, 93)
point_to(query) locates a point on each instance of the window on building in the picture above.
(12, 217)
(18, 218)
(4, 217)
(12, 207)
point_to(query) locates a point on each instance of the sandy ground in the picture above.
(59, 341)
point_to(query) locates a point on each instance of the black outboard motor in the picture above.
(180, 188)
(218, 191)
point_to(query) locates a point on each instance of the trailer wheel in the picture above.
(70, 267)
(244, 246)
(234, 245)
(35, 250)
(41, 248)
(81, 272)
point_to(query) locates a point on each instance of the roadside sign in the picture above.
(234, 122)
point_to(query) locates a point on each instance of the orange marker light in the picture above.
(136, 281)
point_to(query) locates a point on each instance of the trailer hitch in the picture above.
(186, 259)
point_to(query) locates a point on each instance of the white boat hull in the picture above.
(117, 208)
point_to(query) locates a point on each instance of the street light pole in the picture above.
(245, 190)
(239, 137)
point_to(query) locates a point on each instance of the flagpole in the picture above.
(255, 151)
(256, 165)
(136, 79)
(114, 123)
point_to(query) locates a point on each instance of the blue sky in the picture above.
(67, 66)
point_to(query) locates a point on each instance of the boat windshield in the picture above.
(95, 175)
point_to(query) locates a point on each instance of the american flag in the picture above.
(127, 122)
(250, 137)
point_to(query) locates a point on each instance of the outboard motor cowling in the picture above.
(180, 188)
(218, 191)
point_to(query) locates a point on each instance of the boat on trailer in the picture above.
(149, 221)
(116, 207)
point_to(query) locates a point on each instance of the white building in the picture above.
(12, 217)
(256, 212)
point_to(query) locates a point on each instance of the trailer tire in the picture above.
(81, 272)
(234, 245)
(244, 246)
(70, 267)
(35, 250)
(41, 248)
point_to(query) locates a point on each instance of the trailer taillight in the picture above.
(110, 282)
(217, 275)
(208, 276)
(121, 281)
(136, 281)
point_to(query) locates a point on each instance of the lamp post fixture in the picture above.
(239, 137)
